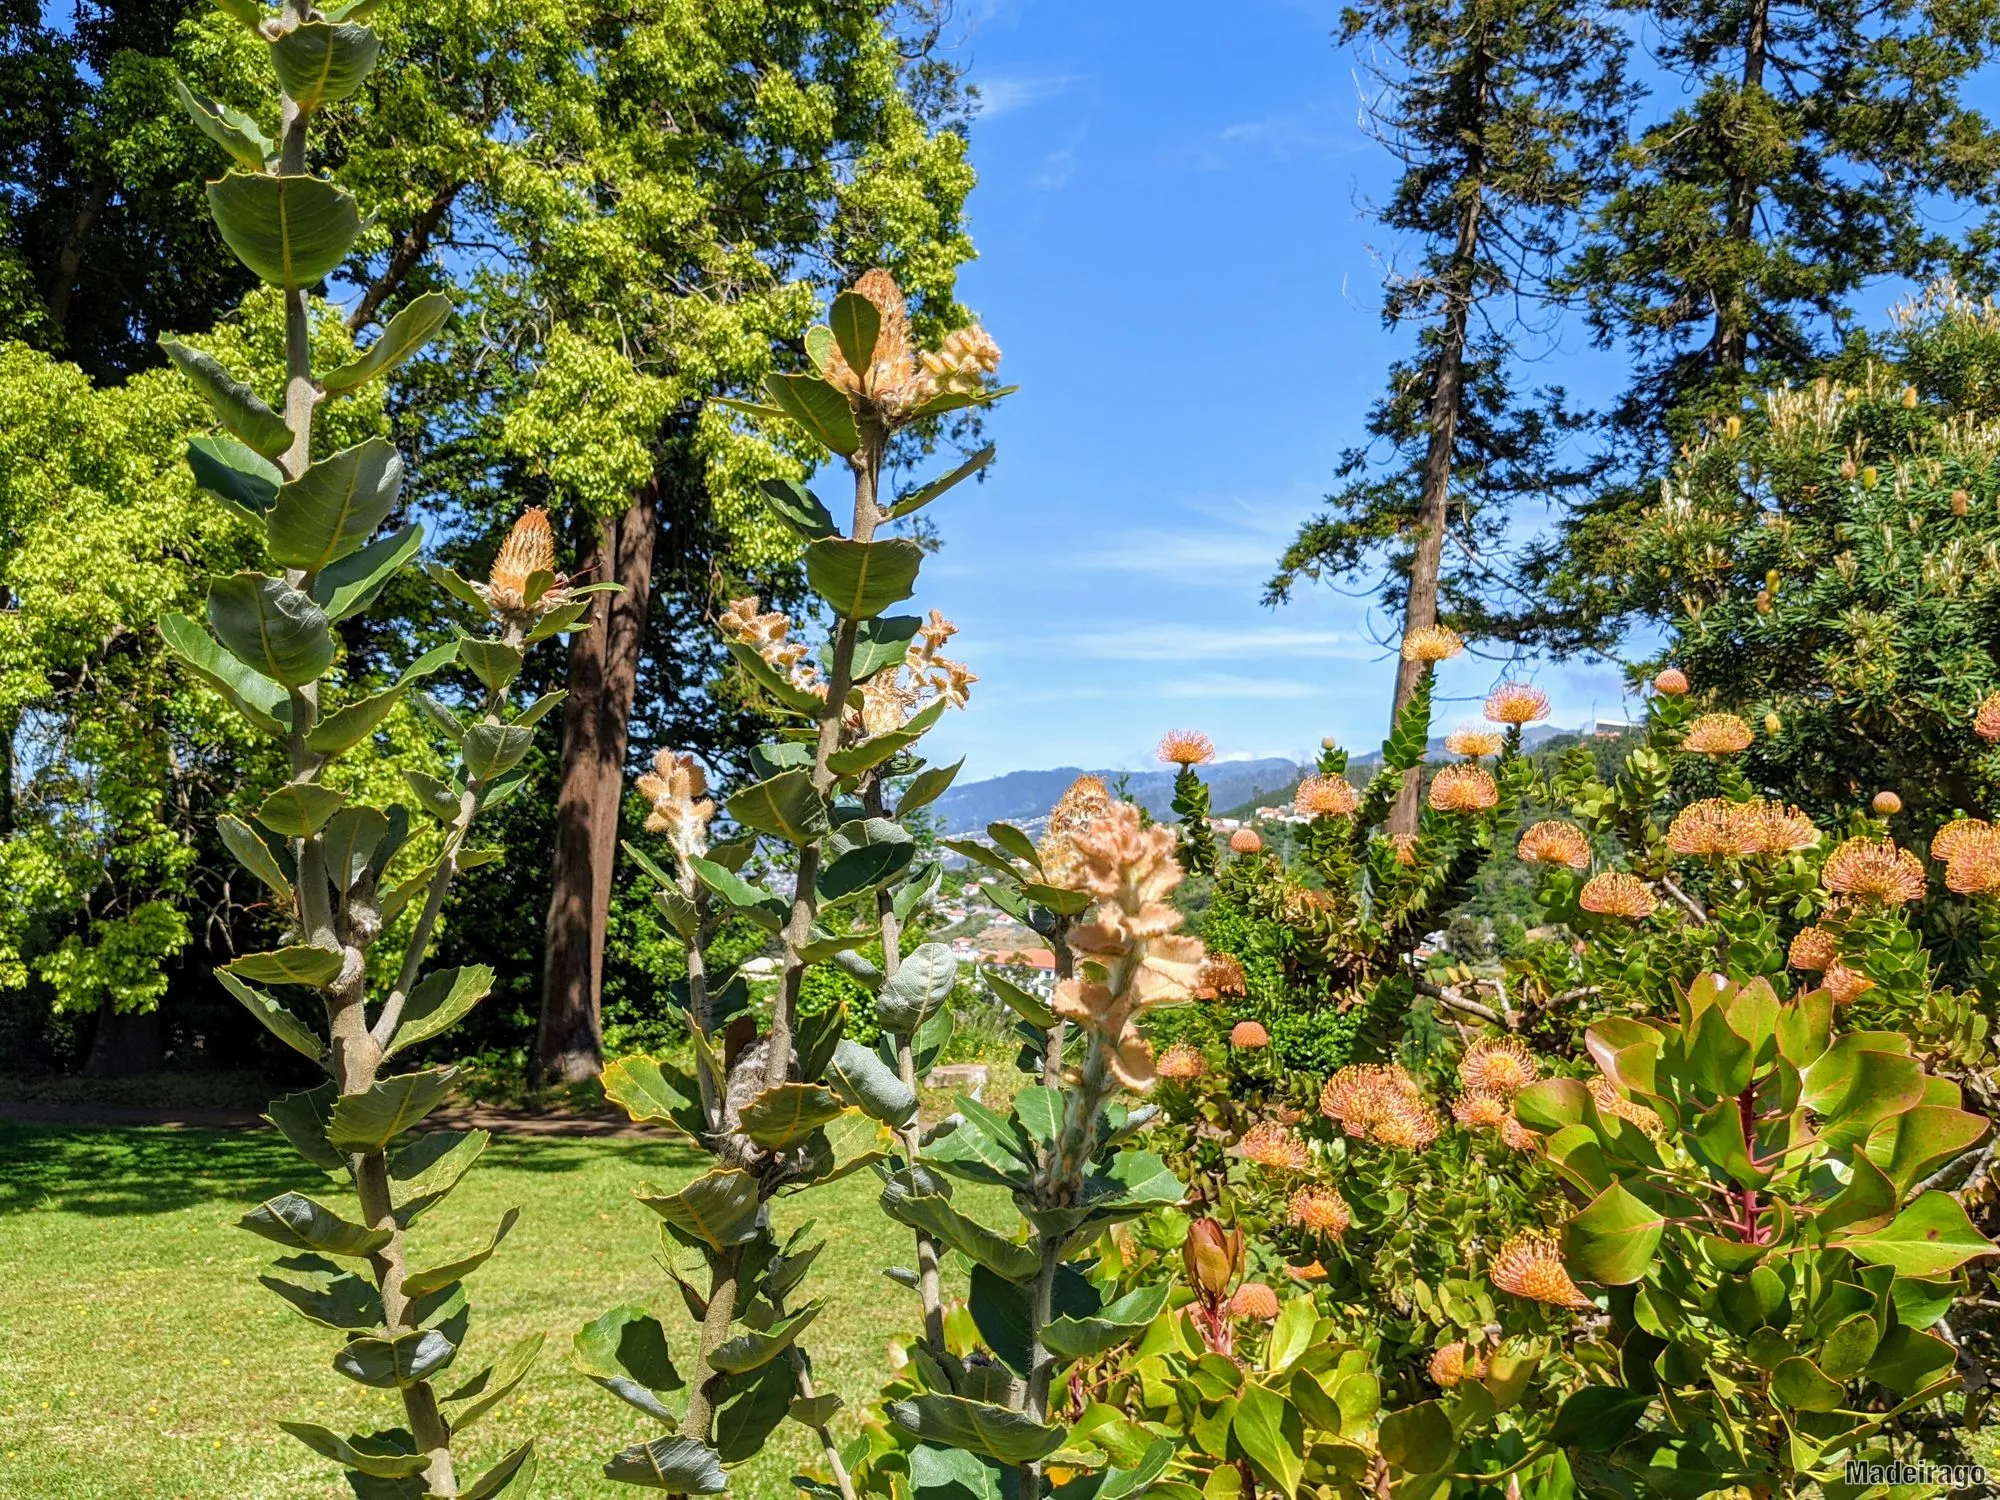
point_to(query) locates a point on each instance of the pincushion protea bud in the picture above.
(1245, 841)
(1319, 1209)
(1961, 502)
(1501, 1065)
(1672, 682)
(1253, 1299)
(1617, 894)
(1717, 734)
(1186, 747)
(1213, 1257)
(1517, 703)
(1451, 1365)
(1555, 843)
(1249, 1034)
(1530, 1265)
(1886, 804)
(1432, 644)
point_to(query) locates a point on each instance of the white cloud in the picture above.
(1006, 96)
(1170, 641)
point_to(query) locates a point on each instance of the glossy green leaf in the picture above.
(857, 1075)
(395, 1363)
(625, 1351)
(918, 989)
(679, 1464)
(413, 327)
(816, 409)
(1029, 1006)
(255, 696)
(421, 1283)
(861, 579)
(235, 405)
(927, 786)
(352, 723)
(747, 1351)
(1012, 1437)
(784, 806)
(271, 627)
(437, 1003)
(856, 324)
(377, 1455)
(653, 1093)
(881, 643)
(299, 809)
(254, 855)
(333, 508)
(1907, 1360)
(1797, 1383)
(368, 1122)
(301, 963)
(494, 663)
(1113, 1324)
(231, 129)
(1613, 1241)
(298, 1223)
(1930, 1237)
(292, 231)
(719, 1208)
(1910, 1146)
(433, 796)
(1598, 1418)
(934, 1214)
(350, 585)
(916, 500)
(1272, 1433)
(799, 508)
(763, 907)
(234, 473)
(320, 63)
(513, 1475)
(429, 1167)
(280, 1022)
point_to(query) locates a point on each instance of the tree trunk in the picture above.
(127, 1043)
(603, 677)
(1420, 605)
(1731, 344)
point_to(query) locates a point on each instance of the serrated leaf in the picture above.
(492, 749)
(645, 1089)
(255, 696)
(298, 1223)
(231, 129)
(433, 796)
(352, 723)
(235, 405)
(719, 1208)
(437, 1003)
(368, 1122)
(625, 1351)
(302, 1119)
(301, 963)
(413, 327)
(779, 1117)
(918, 499)
(321, 63)
(291, 230)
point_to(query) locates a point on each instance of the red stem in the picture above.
(1746, 1114)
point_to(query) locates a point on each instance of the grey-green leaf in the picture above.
(419, 1283)
(919, 987)
(918, 499)
(412, 328)
(785, 806)
(491, 1385)
(368, 1122)
(298, 1223)
(395, 1363)
(865, 1081)
(679, 1464)
(437, 1003)
(271, 627)
(333, 508)
(350, 585)
(861, 579)
(301, 963)
(255, 696)
(280, 1022)
(231, 129)
(321, 63)
(1012, 1437)
(234, 403)
(817, 409)
(253, 854)
(235, 473)
(368, 1455)
(292, 230)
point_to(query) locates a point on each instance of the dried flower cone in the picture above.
(1186, 747)
(1530, 1265)
(1554, 843)
(1086, 800)
(675, 787)
(1133, 938)
(1432, 644)
(530, 548)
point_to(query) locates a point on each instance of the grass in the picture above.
(142, 1358)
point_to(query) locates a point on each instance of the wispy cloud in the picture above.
(1173, 641)
(1008, 95)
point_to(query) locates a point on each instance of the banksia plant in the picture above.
(339, 871)
(785, 1102)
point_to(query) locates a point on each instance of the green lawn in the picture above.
(141, 1358)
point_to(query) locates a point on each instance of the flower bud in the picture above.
(1773, 724)
(1961, 502)
(1213, 1257)
(1909, 398)
(1887, 804)
(1671, 683)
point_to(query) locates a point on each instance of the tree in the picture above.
(1819, 149)
(1503, 114)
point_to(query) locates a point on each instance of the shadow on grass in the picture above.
(113, 1170)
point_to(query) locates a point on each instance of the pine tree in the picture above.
(1821, 147)
(1503, 113)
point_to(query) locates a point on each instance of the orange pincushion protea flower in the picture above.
(1501, 1065)
(1319, 1209)
(1610, 1102)
(1717, 734)
(1432, 643)
(1975, 869)
(1517, 1137)
(1530, 1265)
(1181, 1063)
(1253, 1299)
(1464, 789)
(1382, 1103)
(1272, 1144)
(1846, 985)
(1250, 1034)
(1405, 846)
(1708, 827)
(1326, 796)
(1186, 747)
(1773, 828)
(1874, 870)
(1617, 894)
(1813, 950)
(1470, 740)
(1245, 841)
(1671, 683)
(1555, 843)
(1986, 723)
(1480, 1111)
(1956, 835)
(1453, 1364)
(1220, 975)
(1517, 703)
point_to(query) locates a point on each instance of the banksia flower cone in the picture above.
(1087, 799)
(530, 548)
(1530, 1265)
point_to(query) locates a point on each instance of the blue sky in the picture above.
(1176, 258)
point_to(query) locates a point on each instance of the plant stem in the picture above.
(1746, 1115)
(723, 1272)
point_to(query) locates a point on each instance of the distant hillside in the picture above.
(1025, 797)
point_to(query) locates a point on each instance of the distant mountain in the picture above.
(1360, 768)
(1025, 797)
